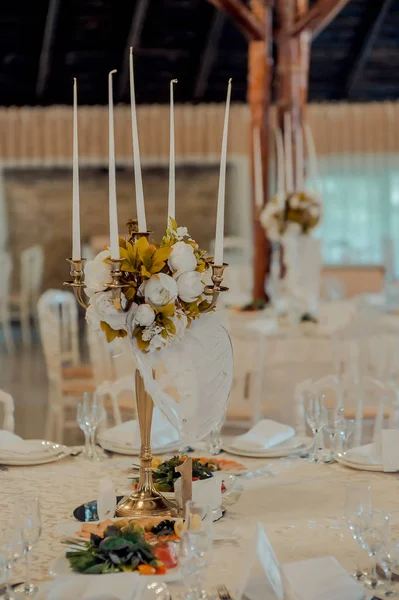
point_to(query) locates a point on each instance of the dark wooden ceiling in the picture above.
(45, 43)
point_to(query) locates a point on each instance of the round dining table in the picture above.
(300, 505)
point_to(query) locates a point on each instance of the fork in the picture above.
(223, 592)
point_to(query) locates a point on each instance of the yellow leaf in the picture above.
(144, 272)
(111, 334)
(122, 242)
(130, 293)
(127, 267)
(143, 345)
(172, 224)
(157, 266)
(167, 311)
(141, 246)
(169, 326)
(162, 254)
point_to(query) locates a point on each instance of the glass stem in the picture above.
(92, 444)
(388, 576)
(87, 445)
(9, 594)
(27, 571)
(373, 571)
(332, 446)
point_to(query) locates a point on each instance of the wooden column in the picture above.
(260, 67)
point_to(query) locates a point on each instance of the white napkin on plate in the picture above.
(128, 433)
(369, 454)
(320, 579)
(118, 586)
(263, 435)
(8, 439)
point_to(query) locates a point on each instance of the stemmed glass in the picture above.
(357, 505)
(89, 415)
(333, 426)
(374, 536)
(11, 548)
(28, 521)
(195, 548)
(389, 559)
(316, 417)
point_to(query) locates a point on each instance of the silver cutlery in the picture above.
(3, 588)
(223, 593)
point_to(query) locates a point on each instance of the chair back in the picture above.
(363, 397)
(7, 401)
(32, 261)
(100, 355)
(58, 323)
(5, 270)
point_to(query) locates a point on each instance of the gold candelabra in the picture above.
(145, 501)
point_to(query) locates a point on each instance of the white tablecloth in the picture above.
(301, 507)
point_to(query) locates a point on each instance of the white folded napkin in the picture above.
(118, 586)
(320, 579)
(128, 433)
(8, 439)
(106, 501)
(263, 435)
(368, 454)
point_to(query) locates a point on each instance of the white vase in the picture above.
(302, 259)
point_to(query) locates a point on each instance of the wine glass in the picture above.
(316, 418)
(333, 426)
(195, 548)
(374, 536)
(357, 504)
(389, 559)
(28, 521)
(11, 548)
(89, 415)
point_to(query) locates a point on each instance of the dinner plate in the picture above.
(128, 450)
(60, 567)
(40, 452)
(340, 458)
(294, 445)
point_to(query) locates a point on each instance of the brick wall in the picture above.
(39, 208)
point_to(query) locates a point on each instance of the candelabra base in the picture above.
(146, 503)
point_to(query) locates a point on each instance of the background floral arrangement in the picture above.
(297, 213)
(163, 293)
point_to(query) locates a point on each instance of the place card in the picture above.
(263, 574)
(390, 450)
(106, 502)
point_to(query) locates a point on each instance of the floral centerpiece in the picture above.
(162, 287)
(297, 213)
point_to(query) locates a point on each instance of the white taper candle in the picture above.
(172, 185)
(76, 251)
(142, 223)
(219, 237)
(259, 195)
(313, 171)
(280, 161)
(299, 164)
(289, 175)
(113, 213)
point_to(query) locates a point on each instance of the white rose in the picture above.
(102, 308)
(97, 273)
(294, 201)
(161, 289)
(182, 258)
(190, 286)
(181, 233)
(180, 322)
(314, 211)
(145, 315)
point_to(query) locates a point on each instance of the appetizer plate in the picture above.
(295, 445)
(128, 450)
(60, 567)
(40, 452)
(343, 460)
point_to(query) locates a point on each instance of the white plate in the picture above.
(295, 445)
(50, 452)
(358, 466)
(130, 451)
(60, 567)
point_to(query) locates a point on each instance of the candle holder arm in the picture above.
(216, 289)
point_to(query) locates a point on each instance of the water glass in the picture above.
(11, 548)
(333, 426)
(357, 505)
(346, 431)
(196, 548)
(389, 559)
(213, 441)
(89, 415)
(316, 417)
(27, 520)
(374, 536)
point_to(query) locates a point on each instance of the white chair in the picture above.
(363, 399)
(122, 394)
(5, 318)
(23, 304)
(8, 411)
(58, 322)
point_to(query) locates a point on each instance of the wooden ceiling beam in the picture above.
(133, 41)
(47, 44)
(243, 17)
(209, 55)
(364, 43)
(318, 17)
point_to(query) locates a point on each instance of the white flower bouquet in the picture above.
(297, 213)
(162, 293)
